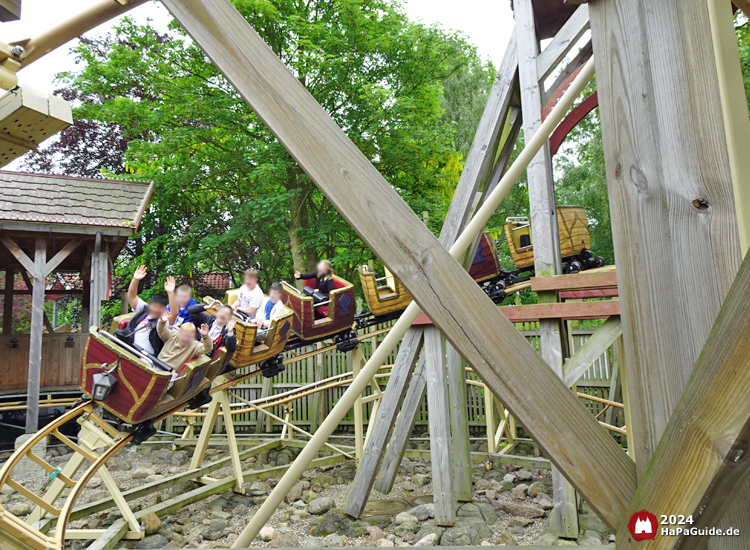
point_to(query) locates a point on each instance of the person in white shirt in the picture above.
(271, 308)
(250, 297)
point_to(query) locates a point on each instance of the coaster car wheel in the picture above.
(272, 367)
(346, 341)
(203, 398)
(142, 432)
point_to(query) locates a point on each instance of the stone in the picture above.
(153, 542)
(220, 514)
(162, 456)
(428, 540)
(374, 533)
(179, 458)
(94, 482)
(313, 542)
(509, 478)
(309, 496)
(142, 473)
(151, 523)
(323, 480)
(421, 513)
(384, 543)
(217, 525)
(469, 510)
(544, 501)
(565, 542)
(332, 541)
(520, 522)
(284, 540)
(589, 541)
(590, 522)
(320, 506)
(546, 539)
(20, 509)
(258, 489)
(405, 517)
(467, 530)
(346, 472)
(488, 512)
(298, 505)
(409, 486)
(26, 467)
(420, 480)
(267, 533)
(523, 510)
(456, 536)
(295, 493)
(5, 490)
(519, 492)
(430, 530)
(406, 528)
(536, 488)
(283, 459)
(506, 539)
(524, 475)
(335, 522)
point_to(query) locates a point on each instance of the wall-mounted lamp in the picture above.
(14, 343)
(69, 342)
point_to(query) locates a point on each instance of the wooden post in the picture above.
(35, 339)
(8, 300)
(459, 424)
(440, 433)
(95, 278)
(543, 210)
(356, 358)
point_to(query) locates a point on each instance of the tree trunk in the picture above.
(304, 256)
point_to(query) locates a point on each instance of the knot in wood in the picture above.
(701, 204)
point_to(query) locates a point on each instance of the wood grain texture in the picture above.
(577, 281)
(670, 192)
(8, 300)
(702, 457)
(490, 343)
(10, 10)
(554, 53)
(35, 340)
(459, 418)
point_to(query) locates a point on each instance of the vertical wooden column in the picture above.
(440, 432)
(543, 214)
(96, 283)
(671, 196)
(8, 300)
(35, 339)
(459, 418)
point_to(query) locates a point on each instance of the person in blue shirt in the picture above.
(184, 297)
(271, 307)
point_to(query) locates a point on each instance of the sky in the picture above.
(486, 23)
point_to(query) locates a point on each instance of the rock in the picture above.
(335, 522)
(456, 536)
(283, 459)
(313, 542)
(565, 542)
(428, 540)
(509, 478)
(220, 514)
(267, 533)
(469, 510)
(421, 513)
(523, 510)
(217, 525)
(589, 541)
(346, 472)
(546, 539)
(332, 541)
(384, 543)
(179, 458)
(519, 492)
(20, 509)
(589, 522)
(520, 522)
(488, 512)
(295, 493)
(506, 539)
(142, 473)
(536, 488)
(284, 540)
(544, 501)
(320, 506)
(374, 533)
(162, 456)
(26, 467)
(153, 542)
(151, 523)
(258, 489)
(420, 480)
(6, 490)
(524, 475)
(298, 505)
(94, 482)
(403, 529)
(466, 531)
(409, 486)
(405, 517)
(430, 530)
(323, 480)
(308, 497)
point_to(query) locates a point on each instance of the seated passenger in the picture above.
(140, 331)
(269, 309)
(323, 281)
(180, 345)
(250, 296)
(184, 297)
(220, 326)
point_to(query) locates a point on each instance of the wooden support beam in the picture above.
(10, 10)
(61, 255)
(744, 5)
(567, 37)
(35, 339)
(597, 344)
(440, 428)
(488, 341)
(8, 300)
(568, 310)
(459, 419)
(576, 63)
(578, 281)
(20, 255)
(30, 286)
(702, 459)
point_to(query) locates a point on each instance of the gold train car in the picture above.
(384, 295)
(575, 237)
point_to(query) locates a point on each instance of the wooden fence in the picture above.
(307, 412)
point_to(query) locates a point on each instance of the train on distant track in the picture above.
(137, 388)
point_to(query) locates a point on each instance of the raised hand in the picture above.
(230, 325)
(203, 330)
(169, 284)
(165, 317)
(297, 274)
(216, 304)
(140, 273)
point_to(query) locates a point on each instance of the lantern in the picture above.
(103, 382)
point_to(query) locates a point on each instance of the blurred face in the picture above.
(250, 281)
(223, 316)
(186, 335)
(274, 295)
(322, 269)
(155, 310)
(183, 297)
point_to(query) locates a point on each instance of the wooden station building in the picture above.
(56, 224)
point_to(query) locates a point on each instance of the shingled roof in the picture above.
(62, 200)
